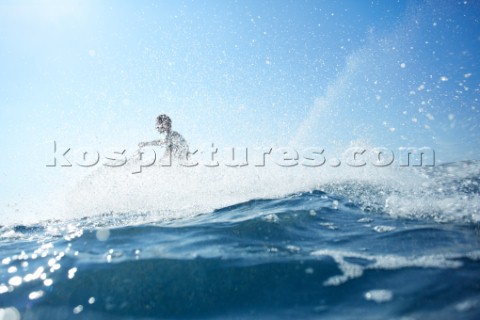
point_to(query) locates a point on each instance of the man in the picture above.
(175, 145)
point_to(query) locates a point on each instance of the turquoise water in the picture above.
(324, 253)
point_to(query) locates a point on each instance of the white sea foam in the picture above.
(352, 270)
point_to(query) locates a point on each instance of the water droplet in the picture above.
(3, 289)
(335, 204)
(379, 296)
(35, 295)
(78, 309)
(12, 269)
(71, 273)
(15, 281)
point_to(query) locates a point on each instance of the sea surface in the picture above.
(348, 250)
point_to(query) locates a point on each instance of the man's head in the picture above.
(164, 123)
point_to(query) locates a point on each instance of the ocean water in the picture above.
(341, 248)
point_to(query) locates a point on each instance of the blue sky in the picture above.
(317, 73)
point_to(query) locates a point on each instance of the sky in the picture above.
(95, 74)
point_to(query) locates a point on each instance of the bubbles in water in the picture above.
(71, 273)
(3, 289)
(382, 229)
(379, 296)
(15, 281)
(78, 309)
(335, 204)
(35, 295)
(271, 218)
(12, 269)
(102, 234)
